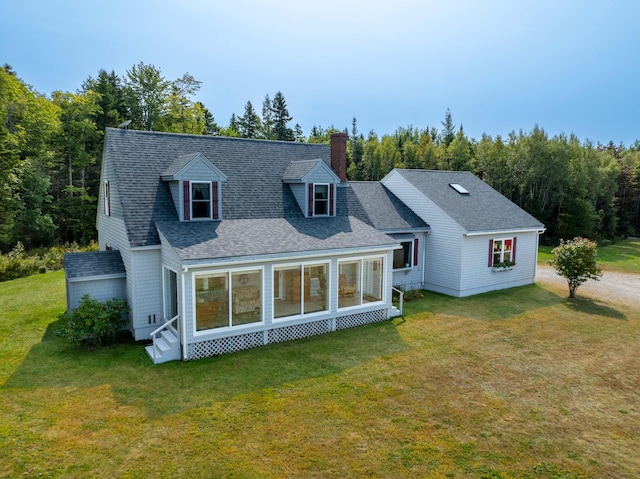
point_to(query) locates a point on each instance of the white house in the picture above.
(221, 244)
(479, 240)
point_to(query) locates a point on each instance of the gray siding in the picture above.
(300, 192)
(199, 171)
(412, 278)
(99, 288)
(267, 303)
(444, 242)
(321, 175)
(145, 288)
(479, 277)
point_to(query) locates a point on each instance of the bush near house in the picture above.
(94, 323)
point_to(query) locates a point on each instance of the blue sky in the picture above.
(568, 66)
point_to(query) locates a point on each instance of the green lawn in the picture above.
(523, 383)
(622, 256)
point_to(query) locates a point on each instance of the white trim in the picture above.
(97, 277)
(328, 200)
(229, 274)
(361, 281)
(302, 266)
(146, 248)
(411, 255)
(506, 232)
(191, 200)
(190, 264)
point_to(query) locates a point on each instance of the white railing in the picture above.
(167, 325)
(400, 299)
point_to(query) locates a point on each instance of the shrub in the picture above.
(93, 322)
(16, 264)
(575, 261)
(413, 294)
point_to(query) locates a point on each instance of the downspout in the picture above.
(183, 340)
(424, 258)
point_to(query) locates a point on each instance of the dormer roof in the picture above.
(306, 171)
(181, 167)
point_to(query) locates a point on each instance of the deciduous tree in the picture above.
(575, 261)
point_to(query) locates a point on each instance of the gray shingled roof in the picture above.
(177, 164)
(254, 188)
(382, 209)
(242, 238)
(483, 209)
(93, 263)
(296, 170)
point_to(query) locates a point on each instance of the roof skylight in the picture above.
(459, 188)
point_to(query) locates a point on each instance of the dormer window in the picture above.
(200, 200)
(321, 199)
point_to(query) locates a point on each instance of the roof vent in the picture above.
(459, 188)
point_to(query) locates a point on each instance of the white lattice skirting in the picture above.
(215, 347)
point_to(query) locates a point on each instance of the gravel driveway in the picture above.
(613, 286)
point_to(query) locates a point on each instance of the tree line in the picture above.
(51, 149)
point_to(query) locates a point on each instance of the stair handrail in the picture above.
(159, 329)
(400, 298)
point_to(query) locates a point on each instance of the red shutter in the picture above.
(490, 253)
(513, 250)
(331, 198)
(214, 200)
(415, 252)
(186, 193)
(310, 199)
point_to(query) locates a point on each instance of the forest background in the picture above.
(51, 152)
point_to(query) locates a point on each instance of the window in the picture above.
(502, 251)
(321, 199)
(360, 281)
(200, 200)
(299, 289)
(402, 257)
(228, 299)
(107, 198)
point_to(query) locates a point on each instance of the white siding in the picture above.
(145, 283)
(267, 294)
(321, 175)
(478, 277)
(300, 192)
(102, 289)
(443, 243)
(412, 278)
(199, 171)
(174, 187)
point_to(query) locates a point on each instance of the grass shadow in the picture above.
(592, 307)
(176, 386)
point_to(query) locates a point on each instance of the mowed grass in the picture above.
(623, 256)
(523, 383)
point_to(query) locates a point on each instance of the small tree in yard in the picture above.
(94, 323)
(575, 260)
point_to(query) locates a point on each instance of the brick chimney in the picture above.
(339, 155)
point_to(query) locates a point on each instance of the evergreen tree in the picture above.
(280, 118)
(449, 132)
(210, 125)
(249, 123)
(298, 134)
(267, 119)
